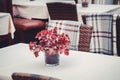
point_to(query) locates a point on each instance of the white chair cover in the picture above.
(104, 33)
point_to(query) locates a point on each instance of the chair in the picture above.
(29, 76)
(5, 6)
(5, 39)
(116, 2)
(62, 11)
(80, 35)
(70, 27)
(76, 1)
(102, 36)
(89, 1)
(26, 29)
(118, 34)
(99, 2)
(85, 38)
(92, 1)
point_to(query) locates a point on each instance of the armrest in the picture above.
(30, 76)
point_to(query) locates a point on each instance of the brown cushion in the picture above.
(27, 24)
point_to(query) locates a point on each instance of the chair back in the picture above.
(80, 35)
(62, 11)
(89, 1)
(118, 34)
(6, 6)
(29, 76)
(102, 36)
(99, 2)
(102, 1)
(76, 1)
(85, 38)
(116, 2)
(72, 28)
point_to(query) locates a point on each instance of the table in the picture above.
(95, 8)
(33, 9)
(77, 66)
(6, 24)
(38, 9)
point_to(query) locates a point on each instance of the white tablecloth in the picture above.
(98, 1)
(76, 66)
(6, 24)
(95, 8)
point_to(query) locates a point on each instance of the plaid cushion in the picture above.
(29, 76)
(85, 37)
(69, 27)
(102, 36)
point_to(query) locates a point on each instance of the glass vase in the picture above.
(51, 60)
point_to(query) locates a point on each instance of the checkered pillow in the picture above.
(69, 27)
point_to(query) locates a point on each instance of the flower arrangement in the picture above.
(50, 42)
